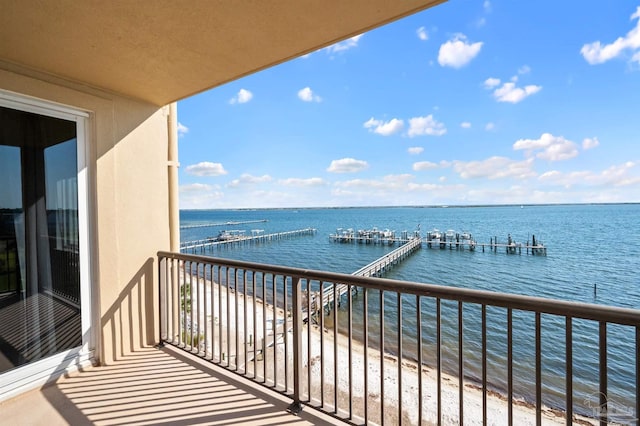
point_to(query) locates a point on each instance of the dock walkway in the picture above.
(232, 222)
(204, 244)
(375, 268)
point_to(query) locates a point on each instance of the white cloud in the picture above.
(590, 143)
(489, 126)
(199, 195)
(597, 53)
(344, 45)
(422, 33)
(457, 52)
(509, 92)
(247, 179)
(242, 97)
(552, 148)
(465, 125)
(384, 128)
(415, 150)
(315, 181)
(347, 165)
(307, 95)
(491, 82)
(525, 69)
(495, 168)
(428, 125)
(206, 168)
(614, 176)
(424, 165)
(182, 129)
(486, 6)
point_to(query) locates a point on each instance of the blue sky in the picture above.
(470, 102)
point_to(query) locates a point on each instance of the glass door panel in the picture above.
(39, 273)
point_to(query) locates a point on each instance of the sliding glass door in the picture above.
(40, 244)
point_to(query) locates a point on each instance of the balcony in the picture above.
(245, 342)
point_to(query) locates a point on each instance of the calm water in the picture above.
(587, 245)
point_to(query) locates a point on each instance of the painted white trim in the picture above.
(36, 374)
(39, 106)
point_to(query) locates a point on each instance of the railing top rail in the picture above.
(582, 310)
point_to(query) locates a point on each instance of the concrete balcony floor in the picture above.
(155, 386)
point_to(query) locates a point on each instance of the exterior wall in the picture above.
(128, 143)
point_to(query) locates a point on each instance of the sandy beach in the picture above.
(223, 331)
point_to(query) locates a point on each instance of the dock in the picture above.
(372, 236)
(238, 238)
(229, 223)
(373, 269)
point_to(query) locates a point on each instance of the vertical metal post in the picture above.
(538, 371)
(439, 360)
(296, 405)
(419, 335)
(569, 370)
(603, 369)
(365, 327)
(285, 332)
(350, 337)
(399, 297)
(510, 365)
(381, 357)
(321, 343)
(161, 286)
(460, 366)
(484, 364)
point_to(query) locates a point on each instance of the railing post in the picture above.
(162, 284)
(296, 289)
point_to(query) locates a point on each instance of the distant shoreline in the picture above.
(450, 206)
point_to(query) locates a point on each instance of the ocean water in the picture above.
(587, 246)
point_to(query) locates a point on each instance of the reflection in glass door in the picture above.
(40, 311)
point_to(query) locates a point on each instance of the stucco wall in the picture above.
(128, 207)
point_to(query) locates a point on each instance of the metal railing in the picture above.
(401, 352)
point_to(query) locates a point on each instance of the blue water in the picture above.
(587, 245)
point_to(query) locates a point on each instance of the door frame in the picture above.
(29, 376)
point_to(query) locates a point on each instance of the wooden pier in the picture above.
(208, 225)
(373, 269)
(256, 237)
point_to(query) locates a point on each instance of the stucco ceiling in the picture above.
(165, 50)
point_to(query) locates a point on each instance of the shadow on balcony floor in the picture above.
(154, 386)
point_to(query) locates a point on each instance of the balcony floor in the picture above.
(155, 386)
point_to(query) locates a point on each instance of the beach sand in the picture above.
(221, 336)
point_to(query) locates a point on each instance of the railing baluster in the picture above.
(205, 306)
(603, 368)
(419, 338)
(381, 358)
(191, 304)
(236, 324)
(296, 291)
(254, 298)
(245, 300)
(335, 347)
(285, 334)
(439, 360)
(484, 364)
(183, 306)
(538, 371)
(365, 327)
(264, 328)
(569, 369)
(399, 298)
(274, 329)
(350, 336)
(228, 324)
(637, 413)
(510, 366)
(309, 326)
(460, 365)
(321, 344)
(220, 269)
